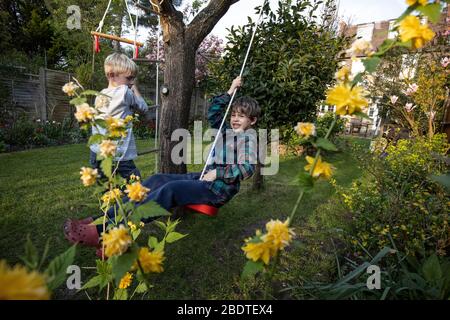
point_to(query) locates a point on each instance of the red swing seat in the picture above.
(203, 209)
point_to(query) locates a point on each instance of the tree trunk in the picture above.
(180, 45)
(179, 77)
(258, 178)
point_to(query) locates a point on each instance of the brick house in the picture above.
(376, 33)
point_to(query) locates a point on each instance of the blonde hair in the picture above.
(117, 63)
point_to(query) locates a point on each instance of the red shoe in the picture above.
(77, 232)
(87, 220)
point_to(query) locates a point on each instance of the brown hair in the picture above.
(247, 106)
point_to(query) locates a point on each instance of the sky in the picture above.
(359, 11)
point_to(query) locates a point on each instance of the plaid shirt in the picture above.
(234, 155)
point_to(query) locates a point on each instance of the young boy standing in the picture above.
(125, 99)
(234, 160)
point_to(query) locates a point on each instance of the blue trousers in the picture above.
(125, 169)
(175, 190)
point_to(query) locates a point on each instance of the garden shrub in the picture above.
(400, 201)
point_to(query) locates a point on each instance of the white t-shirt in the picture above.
(122, 103)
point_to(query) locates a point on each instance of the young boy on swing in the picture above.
(125, 99)
(234, 161)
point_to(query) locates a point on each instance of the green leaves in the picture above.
(371, 64)
(96, 138)
(432, 11)
(56, 270)
(149, 209)
(325, 144)
(174, 236)
(305, 181)
(77, 101)
(443, 180)
(251, 268)
(106, 166)
(123, 263)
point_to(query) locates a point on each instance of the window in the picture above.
(365, 31)
(392, 34)
(331, 108)
(371, 112)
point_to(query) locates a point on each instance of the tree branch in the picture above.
(147, 9)
(206, 19)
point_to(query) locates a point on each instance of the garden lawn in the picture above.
(41, 188)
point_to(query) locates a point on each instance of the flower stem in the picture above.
(302, 192)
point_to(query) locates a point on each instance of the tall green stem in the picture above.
(300, 196)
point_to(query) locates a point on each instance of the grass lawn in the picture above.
(40, 188)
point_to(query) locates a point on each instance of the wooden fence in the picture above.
(40, 96)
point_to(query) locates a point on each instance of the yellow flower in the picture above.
(116, 127)
(88, 176)
(412, 2)
(322, 169)
(134, 177)
(305, 129)
(108, 148)
(136, 191)
(128, 119)
(150, 261)
(84, 113)
(125, 282)
(102, 101)
(70, 88)
(278, 234)
(346, 99)
(343, 74)
(111, 196)
(141, 224)
(411, 29)
(116, 241)
(132, 225)
(18, 283)
(258, 251)
(361, 47)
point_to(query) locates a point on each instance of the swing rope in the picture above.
(234, 93)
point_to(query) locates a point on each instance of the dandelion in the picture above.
(116, 241)
(136, 191)
(394, 99)
(322, 169)
(411, 29)
(125, 282)
(306, 129)
(150, 261)
(346, 99)
(111, 196)
(70, 88)
(108, 148)
(278, 234)
(18, 283)
(84, 113)
(88, 176)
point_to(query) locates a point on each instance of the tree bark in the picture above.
(258, 178)
(180, 45)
